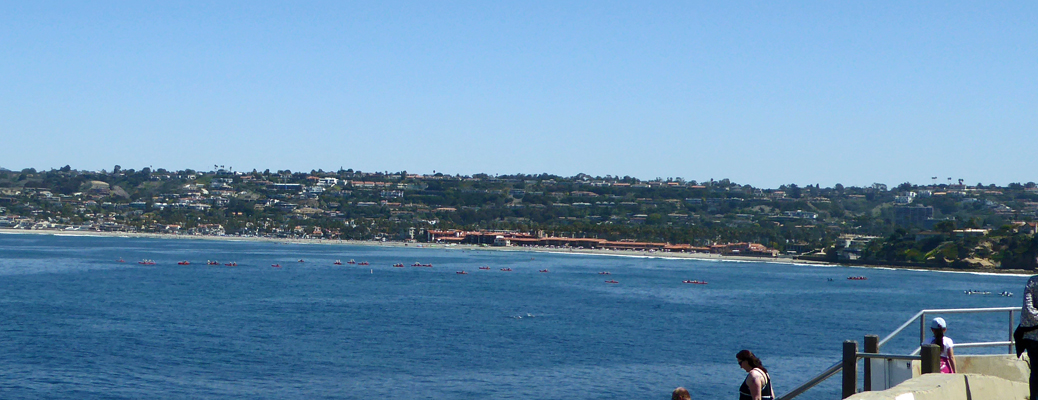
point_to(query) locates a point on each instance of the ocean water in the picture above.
(78, 324)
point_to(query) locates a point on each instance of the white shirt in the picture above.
(948, 344)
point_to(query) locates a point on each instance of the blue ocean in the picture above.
(77, 323)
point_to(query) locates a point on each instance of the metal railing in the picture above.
(828, 373)
(921, 316)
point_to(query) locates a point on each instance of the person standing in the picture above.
(757, 385)
(1026, 335)
(939, 327)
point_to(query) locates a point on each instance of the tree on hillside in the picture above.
(945, 227)
(1020, 252)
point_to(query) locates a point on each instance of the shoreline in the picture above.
(470, 247)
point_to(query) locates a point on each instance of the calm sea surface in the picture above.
(78, 324)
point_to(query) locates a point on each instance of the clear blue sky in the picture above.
(762, 93)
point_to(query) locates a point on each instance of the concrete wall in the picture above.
(980, 377)
(1005, 366)
(951, 387)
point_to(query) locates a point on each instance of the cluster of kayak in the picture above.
(418, 264)
(506, 269)
(185, 262)
(351, 262)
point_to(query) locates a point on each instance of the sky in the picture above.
(761, 93)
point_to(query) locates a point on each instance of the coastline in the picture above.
(470, 247)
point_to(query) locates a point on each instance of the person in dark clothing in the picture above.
(757, 385)
(1026, 335)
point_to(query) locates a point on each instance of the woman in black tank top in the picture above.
(757, 385)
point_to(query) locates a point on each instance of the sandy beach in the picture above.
(470, 247)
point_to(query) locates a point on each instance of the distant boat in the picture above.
(461, 273)
(484, 267)
(275, 265)
(398, 265)
(506, 269)
(232, 264)
(543, 270)
(611, 281)
(604, 273)
(696, 282)
(351, 262)
(183, 263)
(208, 262)
(301, 260)
(418, 264)
(857, 278)
(146, 262)
(120, 260)
(337, 262)
(363, 263)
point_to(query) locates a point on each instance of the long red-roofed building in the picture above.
(525, 239)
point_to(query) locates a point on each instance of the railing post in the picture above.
(871, 346)
(850, 368)
(1011, 331)
(931, 358)
(922, 327)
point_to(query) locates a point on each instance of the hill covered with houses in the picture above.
(942, 224)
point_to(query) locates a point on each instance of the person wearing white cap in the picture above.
(938, 326)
